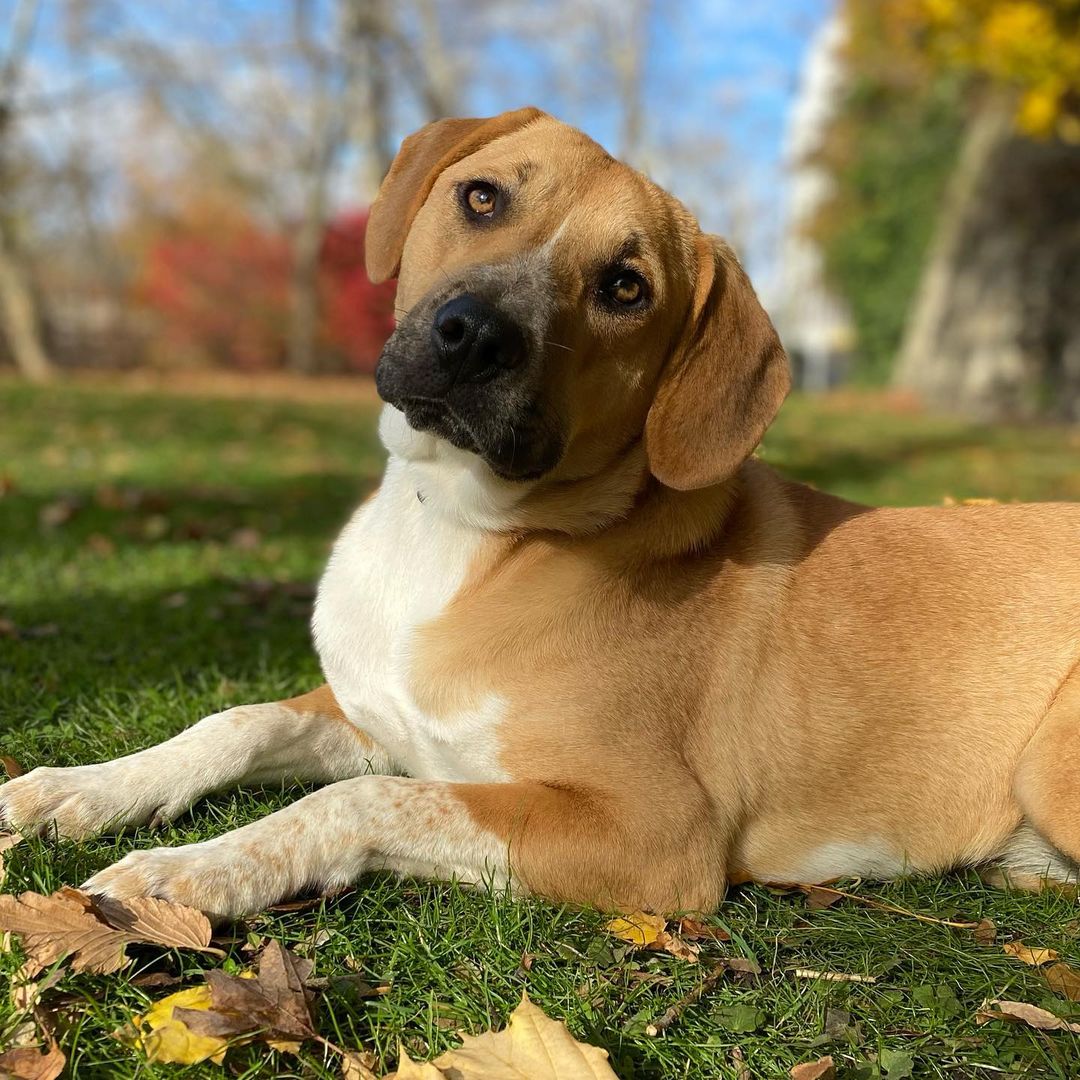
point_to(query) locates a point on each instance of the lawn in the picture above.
(157, 555)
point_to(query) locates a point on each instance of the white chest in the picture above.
(395, 567)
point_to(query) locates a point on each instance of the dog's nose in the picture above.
(474, 340)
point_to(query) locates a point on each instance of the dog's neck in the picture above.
(622, 498)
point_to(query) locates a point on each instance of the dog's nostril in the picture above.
(452, 330)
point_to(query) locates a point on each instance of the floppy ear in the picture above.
(423, 155)
(723, 385)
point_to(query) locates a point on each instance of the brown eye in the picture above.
(481, 199)
(625, 288)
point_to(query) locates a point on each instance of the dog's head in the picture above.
(557, 308)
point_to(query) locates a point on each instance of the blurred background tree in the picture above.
(953, 228)
(184, 185)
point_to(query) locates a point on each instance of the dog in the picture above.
(581, 643)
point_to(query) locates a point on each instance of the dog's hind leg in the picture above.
(1047, 787)
(302, 738)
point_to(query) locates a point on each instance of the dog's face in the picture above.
(551, 305)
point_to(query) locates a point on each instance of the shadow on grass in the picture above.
(295, 507)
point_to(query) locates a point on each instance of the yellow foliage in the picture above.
(1032, 46)
(170, 1040)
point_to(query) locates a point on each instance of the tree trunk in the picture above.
(18, 312)
(995, 327)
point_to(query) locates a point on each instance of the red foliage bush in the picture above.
(217, 287)
(358, 316)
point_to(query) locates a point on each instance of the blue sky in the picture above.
(718, 84)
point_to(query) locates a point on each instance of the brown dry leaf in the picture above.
(276, 1003)
(147, 919)
(69, 924)
(677, 946)
(11, 766)
(357, 1065)
(695, 930)
(26, 993)
(1063, 980)
(532, 1046)
(1026, 955)
(818, 898)
(1031, 1015)
(985, 932)
(29, 1063)
(639, 928)
(7, 842)
(822, 1069)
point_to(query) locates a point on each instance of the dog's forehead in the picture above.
(583, 190)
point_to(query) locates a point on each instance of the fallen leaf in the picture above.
(676, 946)
(168, 1038)
(29, 1063)
(738, 1061)
(818, 898)
(26, 993)
(55, 514)
(985, 932)
(246, 539)
(837, 1023)
(532, 1045)
(1027, 955)
(357, 1065)
(1024, 1013)
(638, 928)
(94, 934)
(415, 1070)
(696, 930)
(646, 931)
(1063, 980)
(898, 1064)
(822, 1069)
(158, 922)
(11, 766)
(7, 842)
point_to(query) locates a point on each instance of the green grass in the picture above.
(179, 584)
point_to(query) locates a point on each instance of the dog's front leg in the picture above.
(303, 738)
(553, 842)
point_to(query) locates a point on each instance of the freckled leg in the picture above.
(539, 839)
(306, 738)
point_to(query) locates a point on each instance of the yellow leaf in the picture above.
(170, 1040)
(532, 1046)
(1026, 955)
(637, 928)
(1063, 980)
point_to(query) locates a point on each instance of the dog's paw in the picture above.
(84, 800)
(219, 880)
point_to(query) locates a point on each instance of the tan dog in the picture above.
(619, 661)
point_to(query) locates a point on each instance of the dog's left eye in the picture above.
(480, 198)
(626, 288)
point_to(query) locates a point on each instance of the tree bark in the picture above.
(18, 306)
(20, 319)
(995, 328)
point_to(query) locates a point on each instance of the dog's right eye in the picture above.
(480, 199)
